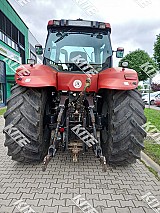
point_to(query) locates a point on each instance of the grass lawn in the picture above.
(2, 111)
(153, 150)
(153, 116)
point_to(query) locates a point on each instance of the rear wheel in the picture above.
(122, 137)
(27, 134)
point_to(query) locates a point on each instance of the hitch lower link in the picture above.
(96, 147)
(52, 149)
(98, 153)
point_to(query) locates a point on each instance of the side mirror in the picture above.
(39, 49)
(120, 52)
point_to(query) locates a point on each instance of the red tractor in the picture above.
(76, 100)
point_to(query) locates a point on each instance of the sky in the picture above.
(135, 23)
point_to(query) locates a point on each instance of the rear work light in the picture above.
(102, 25)
(80, 23)
(31, 61)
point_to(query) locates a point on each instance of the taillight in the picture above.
(24, 72)
(51, 22)
(108, 25)
(54, 23)
(130, 76)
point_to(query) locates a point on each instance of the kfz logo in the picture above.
(22, 2)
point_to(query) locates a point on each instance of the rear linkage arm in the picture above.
(52, 148)
(97, 147)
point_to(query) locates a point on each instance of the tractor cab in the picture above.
(87, 42)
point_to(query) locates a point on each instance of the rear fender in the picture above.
(118, 78)
(36, 76)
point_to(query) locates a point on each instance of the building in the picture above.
(32, 42)
(16, 46)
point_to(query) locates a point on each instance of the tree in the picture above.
(138, 58)
(157, 51)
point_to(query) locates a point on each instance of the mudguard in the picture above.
(44, 76)
(36, 76)
(118, 78)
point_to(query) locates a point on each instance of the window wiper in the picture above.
(62, 37)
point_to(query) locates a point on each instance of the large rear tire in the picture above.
(27, 134)
(122, 137)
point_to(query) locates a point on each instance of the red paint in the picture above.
(50, 22)
(61, 129)
(40, 76)
(45, 76)
(114, 78)
(157, 102)
(66, 80)
(108, 25)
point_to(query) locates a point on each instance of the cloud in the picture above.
(132, 26)
(142, 34)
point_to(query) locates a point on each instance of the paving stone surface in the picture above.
(118, 190)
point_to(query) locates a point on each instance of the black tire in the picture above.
(122, 138)
(152, 102)
(26, 110)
